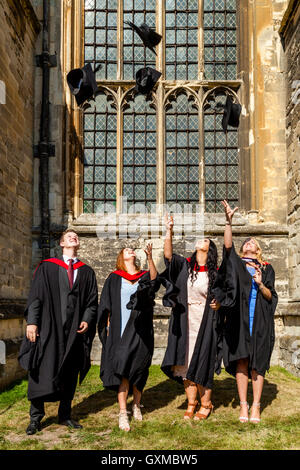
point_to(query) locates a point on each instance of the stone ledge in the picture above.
(10, 309)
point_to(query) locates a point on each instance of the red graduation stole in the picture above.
(129, 277)
(200, 268)
(63, 264)
(60, 263)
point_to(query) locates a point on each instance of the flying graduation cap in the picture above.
(149, 37)
(82, 83)
(146, 79)
(231, 116)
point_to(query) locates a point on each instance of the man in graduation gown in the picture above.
(61, 322)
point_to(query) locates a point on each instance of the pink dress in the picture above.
(197, 293)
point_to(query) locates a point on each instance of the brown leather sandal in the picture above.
(189, 414)
(198, 416)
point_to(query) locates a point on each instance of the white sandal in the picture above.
(244, 419)
(136, 412)
(255, 420)
(123, 421)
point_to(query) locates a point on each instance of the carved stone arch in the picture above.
(130, 95)
(110, 94)
(219, 91)
(172, 94)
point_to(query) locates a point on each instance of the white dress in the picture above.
(197, 293)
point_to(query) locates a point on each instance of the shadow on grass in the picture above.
(160, 395)
(225, 394)
(154, 398)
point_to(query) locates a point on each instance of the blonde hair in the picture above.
(259, 250)
(120, 261)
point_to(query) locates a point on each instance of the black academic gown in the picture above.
(128, 355)
(59, 347)
(206, 356)
(232, 289)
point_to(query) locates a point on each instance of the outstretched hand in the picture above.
(169, 221)
(229, 213)
(148, 250)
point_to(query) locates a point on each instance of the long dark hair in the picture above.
(211, 263)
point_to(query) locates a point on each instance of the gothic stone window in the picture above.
(121, 130)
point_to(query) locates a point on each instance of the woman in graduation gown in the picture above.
(245, 287)
(192, 350)
(125, 325)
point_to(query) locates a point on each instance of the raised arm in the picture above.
(228, 229)
(168, 248)
(152, 268)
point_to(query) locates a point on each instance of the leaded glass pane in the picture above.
(100, 159)
(182, 160)
(181, 22)
(221, 157)
(139, 157)
(101, 28)
(219, 19)
(135, 55)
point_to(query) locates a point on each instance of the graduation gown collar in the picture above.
(129, 277)
(200, 269)
(61, 263)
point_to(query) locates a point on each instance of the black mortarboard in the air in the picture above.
(146, 79)
(231, 116)
(149, 37)
(82, 83)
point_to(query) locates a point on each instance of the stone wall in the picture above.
(18, 31)
(12, 328)
(290, 32)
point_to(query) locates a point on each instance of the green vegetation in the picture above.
(163, 426)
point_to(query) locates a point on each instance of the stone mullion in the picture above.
(201, 148)
(120, 41)
(78, 114)
(67, 65)
(119, 173)
(200, 41)
(160, 112)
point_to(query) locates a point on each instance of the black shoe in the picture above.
(70, 423)
(34, 426)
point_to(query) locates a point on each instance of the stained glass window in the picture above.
(181, 114)
(100, 33)
(182, 152)
(139, 153)
(100, 149)
(181, 39)
(220, 39)
(135, 55)
(221, 157)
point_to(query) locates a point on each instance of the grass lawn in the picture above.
(163, 426)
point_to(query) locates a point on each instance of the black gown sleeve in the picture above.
(104, 310)
(174, 266)
(29, 354)
(269, 282)
(34, 311)
(90, 313)
(226, 284)
(144, 296)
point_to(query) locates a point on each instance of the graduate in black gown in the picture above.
(125, 325)
(61, 316)
(191, 357)
(245, 287)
